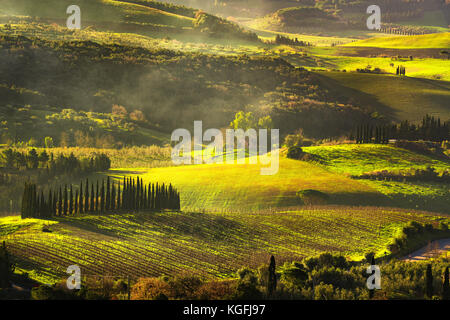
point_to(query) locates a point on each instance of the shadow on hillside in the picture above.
(365, 100)
(90, 229)
(433, 203)
(125, 172)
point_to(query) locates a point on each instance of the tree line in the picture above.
(65, 201)
(54, 165)
(401, 71)
(368, 134)
(430, 129)
(279, 39)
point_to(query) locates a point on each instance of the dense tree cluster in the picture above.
(53, 166)
(368, 134)
(65, 201)
(279, 39)
(430, 129)
(401, 71)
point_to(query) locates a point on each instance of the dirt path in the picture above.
(433, 249)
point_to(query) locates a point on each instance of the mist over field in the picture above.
(352, 105)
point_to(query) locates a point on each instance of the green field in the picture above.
(242, 187)
(210, 245)
(434, 69)
(436, 40)
(396, 97)
(98, 11)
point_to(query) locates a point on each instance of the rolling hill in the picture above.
(428, 41)
(398, 98)
(209, 245)
(241, 187)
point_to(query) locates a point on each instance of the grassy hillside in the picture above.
(206, 244)
(71, 128)
(396, 97)
(357, 159)
(419, 68)
(98, 11)
(241, 187)
(436, 40)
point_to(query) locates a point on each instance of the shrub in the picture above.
(216, 290)
(295, 152)
(312, 197)
(149, 289)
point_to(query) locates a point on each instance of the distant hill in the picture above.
(432, 41)
(290, 19)
(143, 15)
(400, 98)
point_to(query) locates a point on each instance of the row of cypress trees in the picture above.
(134, 195)
(369, 134)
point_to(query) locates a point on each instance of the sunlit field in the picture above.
(210, 245)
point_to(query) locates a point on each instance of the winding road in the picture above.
(434, 248)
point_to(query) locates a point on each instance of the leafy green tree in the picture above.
(33, 159)
(48, 142)
(243, 121)
(9, 158)
(43, 158)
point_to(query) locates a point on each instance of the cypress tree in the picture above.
(65, 205)
(118, 205)
(92, 201)
(75, 209)
(429, 282)
(36, 213)
(33, 200)
(24, 202)
(70, 200)
(371, 292)
(144, 200)
(113, 196)
(80, 199)
(157, 203)
(60, 202)
(142, 196)
(149, 197)
(272, 281)
(54, 204)
(96, 198)
(108, 194)
(102, 197)
(445, 286)
(42, 209)
(138, 194)
(50, 203)
(86, 197)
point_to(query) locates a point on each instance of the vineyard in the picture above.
(210, 245)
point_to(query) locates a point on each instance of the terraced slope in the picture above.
(207, 244)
